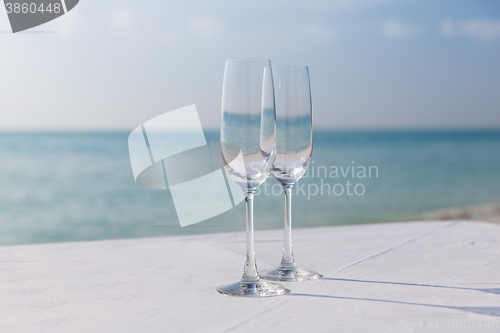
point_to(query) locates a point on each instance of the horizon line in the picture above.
(214, 129)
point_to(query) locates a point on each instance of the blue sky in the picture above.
(373, 63)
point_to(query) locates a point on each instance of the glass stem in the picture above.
(250, 273)
(287, 261)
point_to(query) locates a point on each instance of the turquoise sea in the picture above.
(57, 187)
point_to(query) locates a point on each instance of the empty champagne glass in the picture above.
(293, 154)
(248, 140)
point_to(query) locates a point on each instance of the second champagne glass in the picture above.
(248, 142)
(294, 150)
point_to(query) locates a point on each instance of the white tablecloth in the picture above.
(395, 277)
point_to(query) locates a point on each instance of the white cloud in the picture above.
(396, 30)
(206, 27)
(350, 4)
(316, 4)
(447, 28)
(484, 30)
(318, 32)
(123, 20)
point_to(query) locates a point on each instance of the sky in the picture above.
(374, 64)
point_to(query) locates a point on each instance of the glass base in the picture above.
(252, 289)
(289, 275)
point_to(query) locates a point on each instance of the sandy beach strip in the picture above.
(486, 212)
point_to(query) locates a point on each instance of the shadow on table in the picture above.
(485, 310)
(489, 290)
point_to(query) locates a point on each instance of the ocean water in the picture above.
(57, 187)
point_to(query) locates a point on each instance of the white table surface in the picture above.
(393, 277)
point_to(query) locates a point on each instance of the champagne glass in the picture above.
(294, 150)
(248, 144)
